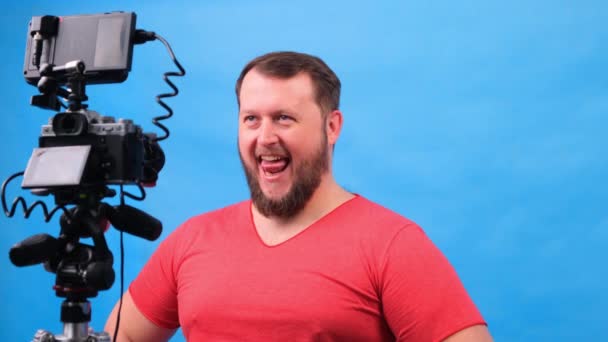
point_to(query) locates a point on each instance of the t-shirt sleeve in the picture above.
(422, 297)
(154, 291)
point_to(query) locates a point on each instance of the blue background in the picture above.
(483, 121)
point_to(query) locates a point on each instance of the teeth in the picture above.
(270, 158)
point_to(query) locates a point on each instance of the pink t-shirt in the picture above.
(361, 273)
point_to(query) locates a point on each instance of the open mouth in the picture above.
(273, 164)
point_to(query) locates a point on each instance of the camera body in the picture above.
(117, 148)
(82, 150)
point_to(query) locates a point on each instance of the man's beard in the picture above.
(307, 177)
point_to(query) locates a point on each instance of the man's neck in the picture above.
(327, 197)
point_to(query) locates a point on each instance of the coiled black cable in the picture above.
(28, 210)
(166, 75)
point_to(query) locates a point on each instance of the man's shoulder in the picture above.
(239, 208)
(236, 213)
(365, 209)
(365, 215)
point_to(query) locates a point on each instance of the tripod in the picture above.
(79, 154)
(82, 270)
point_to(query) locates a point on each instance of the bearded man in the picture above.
(303, 259)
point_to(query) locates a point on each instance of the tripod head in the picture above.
(81, 269)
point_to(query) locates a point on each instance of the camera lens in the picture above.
(69, 124)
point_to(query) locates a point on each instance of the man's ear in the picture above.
(333, 126)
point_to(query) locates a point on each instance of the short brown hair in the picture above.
(286, 64)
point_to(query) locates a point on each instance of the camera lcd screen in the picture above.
(55, 166)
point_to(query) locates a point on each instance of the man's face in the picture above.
(282, 142)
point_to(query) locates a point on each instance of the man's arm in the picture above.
(134, 326)
(476, 333)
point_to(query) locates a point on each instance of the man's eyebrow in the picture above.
(274, 112)
(247, 112)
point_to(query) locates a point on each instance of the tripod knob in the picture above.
(43, 336)
(99, 337)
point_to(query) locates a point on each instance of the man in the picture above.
(304, 259)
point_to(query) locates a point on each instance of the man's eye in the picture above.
(249, 118)
(284, 117)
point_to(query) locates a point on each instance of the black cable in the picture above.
(159, 98)
(28, 210)
(142, 36)
(122, 270)
(123, 193)
(131, 196)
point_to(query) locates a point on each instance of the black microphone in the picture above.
(135, 222)
(34, 250)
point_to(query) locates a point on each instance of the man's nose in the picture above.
(268, 134)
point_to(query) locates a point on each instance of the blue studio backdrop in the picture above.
(483, 121)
